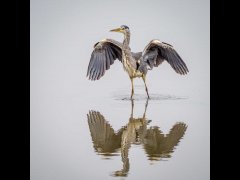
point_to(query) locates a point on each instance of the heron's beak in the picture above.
(116, 30)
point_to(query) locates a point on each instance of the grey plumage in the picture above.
(107, 51)
(103, 56)
(135, 64)
(156, 52)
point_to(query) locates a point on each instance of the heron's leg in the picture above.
(132, 102)
(144, 80)
(132, 87)
(144, 114)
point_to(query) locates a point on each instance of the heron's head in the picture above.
(123, 29)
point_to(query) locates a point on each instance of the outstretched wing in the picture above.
(105, 140)
(156, 52)
(104, 54)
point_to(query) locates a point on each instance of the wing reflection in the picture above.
(107, 142)
(158, 146)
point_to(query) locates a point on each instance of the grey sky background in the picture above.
(62, 36)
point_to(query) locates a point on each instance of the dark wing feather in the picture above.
(104, 54)
(156, 52)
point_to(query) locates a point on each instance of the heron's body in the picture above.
(130, 66)
(129, 63)
(135, 64)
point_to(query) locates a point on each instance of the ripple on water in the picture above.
(153, 97)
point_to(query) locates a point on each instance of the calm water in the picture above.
(91, 130)
(104, 138)
(138, 134)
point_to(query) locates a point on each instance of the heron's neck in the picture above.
(126, 40)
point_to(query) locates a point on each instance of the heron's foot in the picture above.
(147, 93)
(131, 97)
(148, 97)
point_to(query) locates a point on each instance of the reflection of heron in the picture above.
(135, 64)
(157, 145)
(107, 142)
